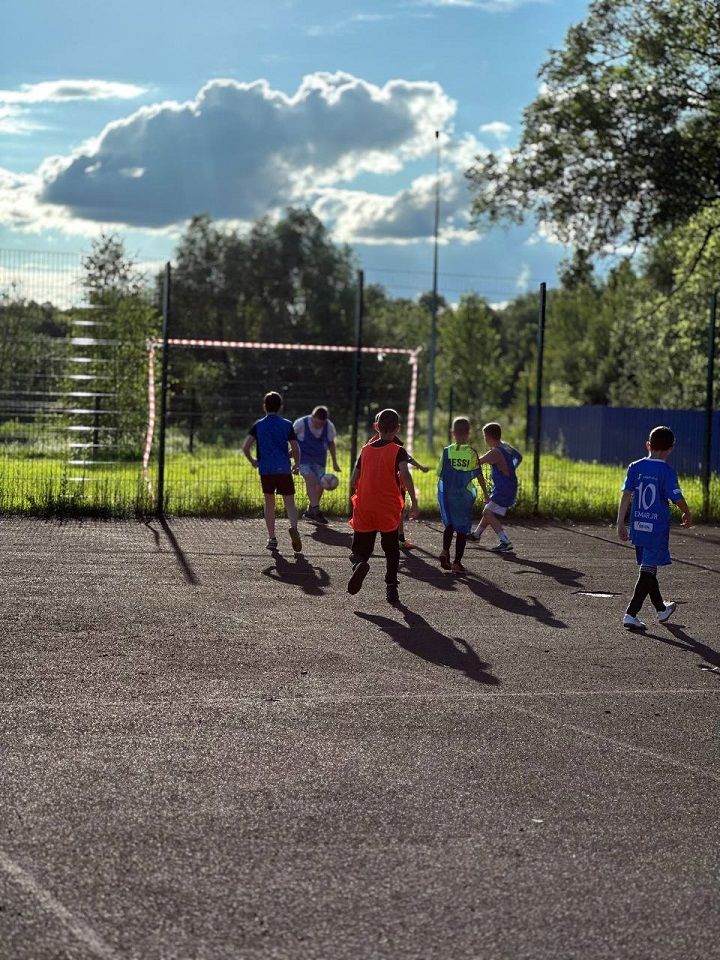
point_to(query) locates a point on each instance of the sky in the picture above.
(131, 118)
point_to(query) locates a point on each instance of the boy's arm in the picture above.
(685, 518)
(492, 456)
(295, 448)
(410, 487)
(354, 476)
(413, 463)
(483, 484)
(625, 500)
(247, 447)
(333, 454)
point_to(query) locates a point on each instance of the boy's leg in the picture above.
(362, 548)
(269, 511)
(460, 542)
(647, 578)
(291, 510)
(391, 549)
(445, 552)
(654, 591)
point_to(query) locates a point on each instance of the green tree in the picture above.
(621, 142)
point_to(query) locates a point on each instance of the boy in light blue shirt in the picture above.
(649, 484)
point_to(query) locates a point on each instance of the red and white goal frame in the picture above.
(155, 344)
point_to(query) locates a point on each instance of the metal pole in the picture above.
(433, 315)
(160, 505)
(357, 367)
(538, 397)
(707, 447)
(451, 397)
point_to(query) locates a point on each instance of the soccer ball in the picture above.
(328, 481)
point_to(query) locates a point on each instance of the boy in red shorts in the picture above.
(271, 437)
(378, 503)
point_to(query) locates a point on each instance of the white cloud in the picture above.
(489, 6)
(522, 281)
(57, 91)
(239, 150)
(498, 129)
(13, 122)
(342, 26)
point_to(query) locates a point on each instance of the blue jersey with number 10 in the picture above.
(652, 483)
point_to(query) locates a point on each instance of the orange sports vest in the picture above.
(377, 502)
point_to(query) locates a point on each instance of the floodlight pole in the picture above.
(160, 502)
(434, 306)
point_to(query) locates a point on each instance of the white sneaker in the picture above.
(670, 608)
(633, 622)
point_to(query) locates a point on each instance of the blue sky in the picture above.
(133, 117)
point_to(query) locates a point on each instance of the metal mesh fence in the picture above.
(74, 412)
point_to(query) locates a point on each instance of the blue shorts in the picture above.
(657, 556)
(316, 470)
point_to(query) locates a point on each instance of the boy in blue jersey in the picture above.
(316, 436)
(504, 461)
(649, 484)
(271, 437)
(456, 470)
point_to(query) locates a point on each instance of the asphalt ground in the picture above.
(211, 752)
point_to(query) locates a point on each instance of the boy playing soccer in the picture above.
(650, 483)
(378, 503)
(316, 435)
(504, 461)
(271, 437)
(405, 544)
(456, 470)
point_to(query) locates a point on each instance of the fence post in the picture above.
(160, 504)
(538, 397)
(357, 368)
(451, 400)
(707, 446)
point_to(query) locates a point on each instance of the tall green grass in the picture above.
(219, 482)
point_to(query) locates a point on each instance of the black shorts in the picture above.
(281, 483)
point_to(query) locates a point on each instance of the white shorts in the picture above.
(492, 507)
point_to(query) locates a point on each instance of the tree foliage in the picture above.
(621, 142)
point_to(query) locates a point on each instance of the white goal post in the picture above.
(156, 343)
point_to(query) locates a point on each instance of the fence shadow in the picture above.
(183, 562)
(301, 573)
(422, 640)
(493, 594)
(684, 641)
(565, 576)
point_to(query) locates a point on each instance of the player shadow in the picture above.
(311, 580)
(425, 642)
(183, 562)
(565, 576)
(490, 592)
(685, 642)
(330, 536)
(413, 565)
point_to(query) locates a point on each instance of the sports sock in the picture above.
(460, 542)
(447, 538)
(478, 531)
(504, 538)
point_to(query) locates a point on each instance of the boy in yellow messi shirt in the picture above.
(456, 470)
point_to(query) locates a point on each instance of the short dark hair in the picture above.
(661, 438)
(388, 420)
(272, 401)
(320, 412)
(461, 423)
(493, 430)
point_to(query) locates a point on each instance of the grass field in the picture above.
(218, 482)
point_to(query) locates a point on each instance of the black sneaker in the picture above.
(319, 516)
(504, 546)
(360, 571)
(391, 592)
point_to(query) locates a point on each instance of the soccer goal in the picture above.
(202, 471)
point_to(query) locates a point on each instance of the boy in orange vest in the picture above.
(378, 503)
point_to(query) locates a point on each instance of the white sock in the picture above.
(478, 531)
(504, 537)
